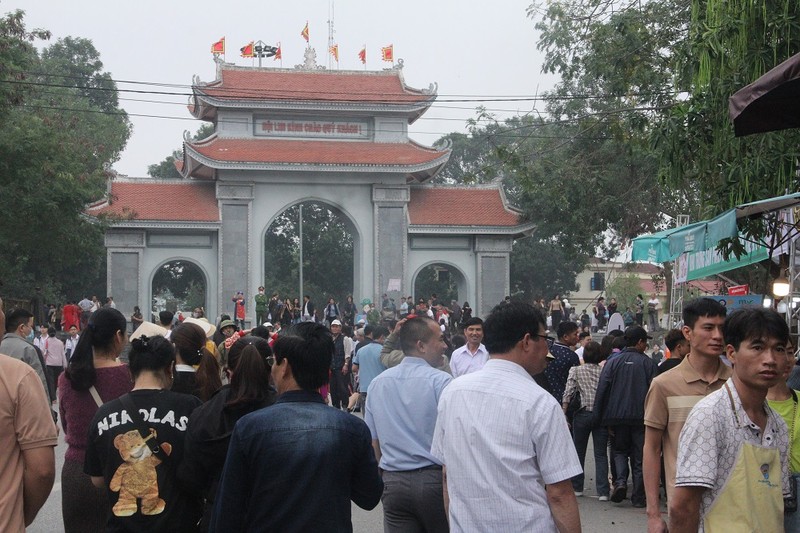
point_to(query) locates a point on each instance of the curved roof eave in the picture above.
(206, 106)
(520, 230)
(194, 160)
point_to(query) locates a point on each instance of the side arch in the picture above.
(194, 262)
(462, 282)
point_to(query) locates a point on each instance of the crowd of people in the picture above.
(198, 426)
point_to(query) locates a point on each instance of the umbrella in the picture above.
(770, 103)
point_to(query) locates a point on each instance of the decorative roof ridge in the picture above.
(432, 89)
(156, 181)
(444, 149)
(187, 137)
(458, 186)
(215, 137)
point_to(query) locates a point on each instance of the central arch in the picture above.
(331, 251)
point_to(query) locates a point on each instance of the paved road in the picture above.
(596, 516)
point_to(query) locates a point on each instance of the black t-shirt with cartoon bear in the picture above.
(143, 491)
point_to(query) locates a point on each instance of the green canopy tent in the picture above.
(701, 239)
(667, 245)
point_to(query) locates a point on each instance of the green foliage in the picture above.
(624, 287)
(659, 74)
(182, 282)
(54, 143)
(730, 44)
(439, 280)
(542, 269)
(165, 169)
(327, 254)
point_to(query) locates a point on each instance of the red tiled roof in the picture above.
(459, 206)
(323, 85)
(156, 200)
(316, 152)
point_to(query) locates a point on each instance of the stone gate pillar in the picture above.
(493, 256)
(124, 249)
(391, 240)
(235, 203)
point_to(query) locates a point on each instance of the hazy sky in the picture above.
(473, 50)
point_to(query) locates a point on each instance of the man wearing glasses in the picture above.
(19, 325)
(515, 475)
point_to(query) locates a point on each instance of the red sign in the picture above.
(739, 290)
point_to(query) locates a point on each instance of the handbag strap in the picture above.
(145, 432)
(96, 396)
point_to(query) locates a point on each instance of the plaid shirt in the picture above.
(583, 379)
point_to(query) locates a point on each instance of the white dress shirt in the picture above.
(502, 438)
(465, 362)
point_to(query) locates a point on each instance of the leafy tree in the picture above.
(625, 288)
(181, 281)
(431, 280)
(327, 254)
(166, 168)
(54, 144)
(661, 74)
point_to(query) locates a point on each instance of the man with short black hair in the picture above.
(620, 398)
(506, 450)
(473, 355)
(367, 361)
(732, 471)
(401, 415)
(19, 325)
(165, 319)
(673, 394)
(678, 346)
(557, 370)
(296, 465)
(584, 337)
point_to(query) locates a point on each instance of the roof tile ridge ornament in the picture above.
(310, 62)
(447, 146)
(220, 64)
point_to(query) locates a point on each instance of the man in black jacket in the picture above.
(620, 399)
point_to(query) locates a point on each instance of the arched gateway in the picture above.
(287, 136)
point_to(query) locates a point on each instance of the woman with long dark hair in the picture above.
(94, 375)
(211, 425)
(136, 442)
(190, 352)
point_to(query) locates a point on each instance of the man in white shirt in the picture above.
(515, 473)
(583, 339)
(473, 355)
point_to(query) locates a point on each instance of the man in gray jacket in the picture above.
(19, 324)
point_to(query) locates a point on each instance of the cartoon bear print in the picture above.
(136, 477)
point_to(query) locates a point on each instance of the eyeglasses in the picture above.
(550, 340)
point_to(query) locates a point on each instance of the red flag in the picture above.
(334, 50)
(362, 55)
(247, 50)
(304, 33)
(218, 47)
(387, 53)
(277, 53)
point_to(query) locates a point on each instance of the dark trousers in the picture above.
(339, 392)
(629, 443)
(582, 427)
(413, 503)
(52, 383)
(556, 317)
